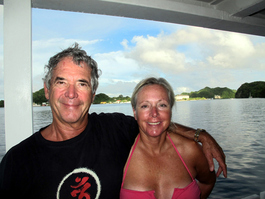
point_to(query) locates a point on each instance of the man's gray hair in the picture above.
(78, 56)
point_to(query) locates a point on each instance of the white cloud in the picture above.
(124, 43)
(115, 65)
(1, 55)
(191, 58)
(157, 52)
(42, 50)
(117, 88)
(180, 90)
(211, 48)
(231, 50)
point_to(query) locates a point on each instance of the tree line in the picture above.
(246, 90)
(39, 98)
(253, 89)
(103, 98)
(224, 93)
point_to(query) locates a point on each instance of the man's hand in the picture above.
(212, 150)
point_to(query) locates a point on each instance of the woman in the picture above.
(162, 164)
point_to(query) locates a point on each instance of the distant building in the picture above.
(217, 97)
(117, 102)
(182, 97)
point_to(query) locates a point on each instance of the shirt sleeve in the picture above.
(115, 127)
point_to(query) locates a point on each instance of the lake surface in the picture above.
(238, 125)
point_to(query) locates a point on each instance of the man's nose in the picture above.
(71, 92)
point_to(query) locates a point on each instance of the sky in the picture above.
(128, 50)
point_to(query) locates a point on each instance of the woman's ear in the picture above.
(134, 113)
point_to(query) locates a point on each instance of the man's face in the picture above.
(70, 93)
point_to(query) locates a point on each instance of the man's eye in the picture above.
(60, 82)
(83, 85)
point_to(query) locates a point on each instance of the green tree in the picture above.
(253, 89)
(211, 92)
(226, 95)
(206, 94)
(184, 93)
(39, 97)
(127, 98)
(101, 97)
(2, 103)
(193, 95)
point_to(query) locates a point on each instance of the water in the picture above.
(237, 125)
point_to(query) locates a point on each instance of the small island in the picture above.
(246, 90)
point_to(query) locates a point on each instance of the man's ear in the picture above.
(93, 97)
(46, 91)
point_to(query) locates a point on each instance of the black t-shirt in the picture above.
(89, 165)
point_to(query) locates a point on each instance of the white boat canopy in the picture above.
(243, 16)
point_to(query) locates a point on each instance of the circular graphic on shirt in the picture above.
(80, 183)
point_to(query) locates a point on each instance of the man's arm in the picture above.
(210, 147)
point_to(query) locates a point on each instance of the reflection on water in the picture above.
(237, 125)
(2, 133)
(42, 116)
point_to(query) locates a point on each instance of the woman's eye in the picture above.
(163, 105)
(144, 106)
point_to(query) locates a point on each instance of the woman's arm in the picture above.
(210, 147)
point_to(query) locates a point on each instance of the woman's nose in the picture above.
(154, 112)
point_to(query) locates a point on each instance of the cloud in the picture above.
(117, 88)
(60, 43)
(181, 51)
(158, 52)
(190, 58)
(1, 83)
(129, 50)
(42, 50)
(231, 50)
(182, 90)
(115, 65)
(1, 54)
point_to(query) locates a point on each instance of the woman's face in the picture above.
(153, 111)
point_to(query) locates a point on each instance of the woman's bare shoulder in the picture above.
(181, 140)
(186, 146)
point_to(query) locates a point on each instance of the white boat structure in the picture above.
(244, 16)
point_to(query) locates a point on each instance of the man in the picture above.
(79, 155)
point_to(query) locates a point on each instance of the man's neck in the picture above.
(60, 132)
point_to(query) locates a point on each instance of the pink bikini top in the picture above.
(191, 191)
